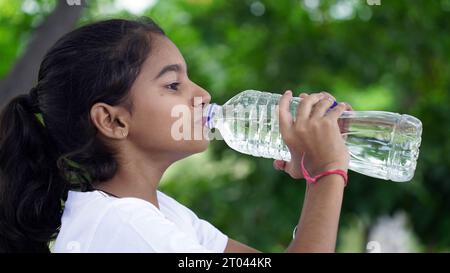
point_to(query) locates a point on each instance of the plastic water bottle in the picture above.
(381, 144)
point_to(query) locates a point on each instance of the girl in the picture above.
(82, 154)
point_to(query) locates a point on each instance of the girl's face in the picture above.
(163, 99)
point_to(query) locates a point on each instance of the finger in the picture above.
(322, 107)
(305, 106)
(285, 117)
(328, 94)
(348, 107)
(337, 111)
(303, 95)
(344, 123)
(331, 97)
(275, 165)
(279, 164)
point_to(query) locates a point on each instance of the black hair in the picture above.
(48, 144)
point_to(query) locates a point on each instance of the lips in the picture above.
(202, 121)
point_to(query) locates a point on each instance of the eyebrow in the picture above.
(169, 68)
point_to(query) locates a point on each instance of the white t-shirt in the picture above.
(96, 222)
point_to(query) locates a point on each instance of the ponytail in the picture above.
(30, 186)
(48, 143)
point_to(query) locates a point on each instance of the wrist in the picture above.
(325, 170)
(317, 168)
(332, 176)
(328, 167)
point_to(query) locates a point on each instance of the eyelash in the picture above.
(173, 86)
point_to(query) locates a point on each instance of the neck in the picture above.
(136, 177)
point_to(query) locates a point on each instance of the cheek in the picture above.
(161, 127)
(151, 123)
(169, 134)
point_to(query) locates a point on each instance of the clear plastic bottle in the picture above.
(381, 144)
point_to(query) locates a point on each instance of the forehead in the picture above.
(163, 52)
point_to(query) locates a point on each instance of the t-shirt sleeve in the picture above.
(207, 234)
(137, 227)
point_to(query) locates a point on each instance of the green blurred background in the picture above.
(375, 54)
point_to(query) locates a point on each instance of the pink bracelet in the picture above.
(312, 180)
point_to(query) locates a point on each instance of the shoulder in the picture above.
(147, 228)
(97, 207)
(99, 223)
(168, 203)
(131, 209)
(96, 222)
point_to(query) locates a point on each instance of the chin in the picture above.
(189, 147)
(193, 145)
(198, 146)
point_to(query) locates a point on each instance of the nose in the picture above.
(205, 97)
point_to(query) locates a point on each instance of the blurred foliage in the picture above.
(391, 57)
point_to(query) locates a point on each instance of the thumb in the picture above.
(279, 164)
(284, 115)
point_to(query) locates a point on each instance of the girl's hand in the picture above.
(314, 134)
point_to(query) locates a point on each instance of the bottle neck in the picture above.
(212, 114)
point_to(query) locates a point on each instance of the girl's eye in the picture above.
(173, 86)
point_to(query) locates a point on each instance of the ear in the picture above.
(111, 121)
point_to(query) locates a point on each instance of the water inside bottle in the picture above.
(381, 144)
